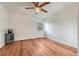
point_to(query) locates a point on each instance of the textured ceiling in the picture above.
(19, 7)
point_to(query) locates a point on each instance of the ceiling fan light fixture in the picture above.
(38, 9)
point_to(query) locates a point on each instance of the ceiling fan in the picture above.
(38, 7)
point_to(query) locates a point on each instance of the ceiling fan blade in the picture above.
(45, 3)
(30, 8)
(44, 10)
(35, 4)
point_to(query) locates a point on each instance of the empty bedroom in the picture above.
(39, 28)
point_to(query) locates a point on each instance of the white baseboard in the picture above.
(17, 39)
(1, 45)
(63, 42)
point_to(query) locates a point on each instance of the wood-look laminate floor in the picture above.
(37, 47)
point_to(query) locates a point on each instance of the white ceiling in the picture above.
(19, 7)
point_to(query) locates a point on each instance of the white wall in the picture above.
(3, 24)
(63, 27)
(24, 26)
(78, 32)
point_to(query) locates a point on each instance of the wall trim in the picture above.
(2, 45)
(62, 43)
(31, 38)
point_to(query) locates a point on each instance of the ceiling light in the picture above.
(38, 9)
